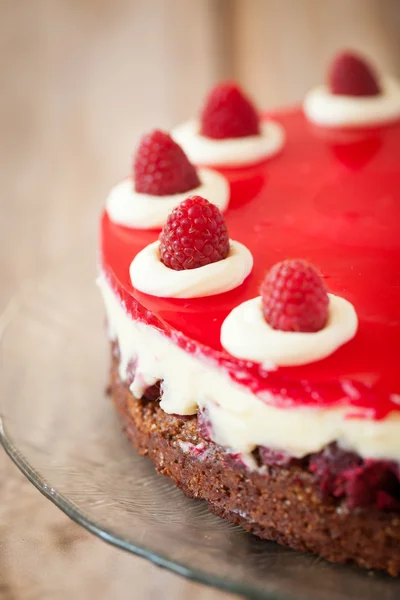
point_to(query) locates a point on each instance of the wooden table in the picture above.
(69, 118)
(79, 80)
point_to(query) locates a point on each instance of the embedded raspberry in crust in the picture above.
(351, 75)
(227, 113)
(294, 297)
(161, 168)
(194, 235)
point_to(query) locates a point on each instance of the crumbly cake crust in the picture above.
(279, 503)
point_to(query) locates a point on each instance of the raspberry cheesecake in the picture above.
(254, 312)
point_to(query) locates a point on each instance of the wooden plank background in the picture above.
(282, 47)
(79, 80)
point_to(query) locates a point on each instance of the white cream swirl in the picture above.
(242, 151)
(149, 275)
(246, 334)
(127, 207)
(335, 110)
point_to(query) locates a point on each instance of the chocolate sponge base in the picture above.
(283, 504)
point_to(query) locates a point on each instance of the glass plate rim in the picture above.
(159, 559)
(104, 530)
(104, 534)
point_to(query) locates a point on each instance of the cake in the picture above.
(250, 271)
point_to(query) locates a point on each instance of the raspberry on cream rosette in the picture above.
(294, 321)
(161, 178)
(229, 131)
(193, 256)
(355, 95)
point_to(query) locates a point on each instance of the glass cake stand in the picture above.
(60, 429)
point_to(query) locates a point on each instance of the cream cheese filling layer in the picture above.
(240, 421)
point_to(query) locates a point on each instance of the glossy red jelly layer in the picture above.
(333, 198)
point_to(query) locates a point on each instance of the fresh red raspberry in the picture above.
(161, 168)
(351, 75)
(294, 297)
(194, 235)
(227, 113)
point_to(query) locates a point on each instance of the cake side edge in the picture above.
(281, 504)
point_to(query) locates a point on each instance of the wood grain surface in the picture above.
(79, 80)
(282, 47)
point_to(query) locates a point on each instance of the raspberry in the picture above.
(194, 235)
(161, 168)
(294, 297)
(369, 482)
(227, 113)
(351, 75)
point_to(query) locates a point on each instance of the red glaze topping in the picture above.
(194, 235)
(227, 113)
(351, 75)
(332, 197)
(294, 297)
(161, 168)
